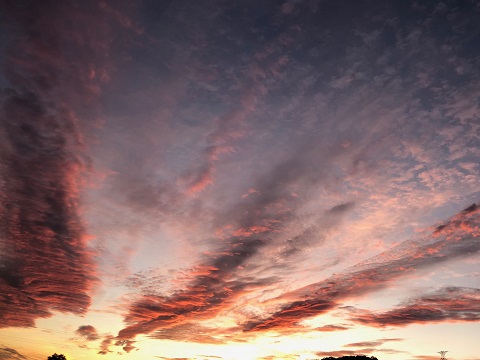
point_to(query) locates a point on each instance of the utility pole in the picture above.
(442, 355)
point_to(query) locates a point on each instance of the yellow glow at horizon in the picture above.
(37, 343)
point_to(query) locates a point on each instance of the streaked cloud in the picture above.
(448, 304)
(458, 237)
(9, 353)
(371, 343)
(218, 281)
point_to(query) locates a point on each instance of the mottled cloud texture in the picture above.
(229, 174)
(293, 165)
(53, 82)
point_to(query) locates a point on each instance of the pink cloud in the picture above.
(459, 238)
(451, 304)
(231, 126)
(53, 78)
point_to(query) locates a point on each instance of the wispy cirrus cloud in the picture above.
(458, 237)
(450, 304)
(191, 332)
(7, 353)
(362, 351)
(425, 357)
(372, 343)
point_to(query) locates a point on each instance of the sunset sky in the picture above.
(239, 179)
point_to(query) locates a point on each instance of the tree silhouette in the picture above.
(57, 357)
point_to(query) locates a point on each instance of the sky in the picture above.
(219, 179)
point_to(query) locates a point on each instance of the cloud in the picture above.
(332, 327)
(261, 225)
(88, 332)
(425, 357)
(10, 354)
(121, 17)
(364, 344)
(237, 83)
(340, 353)
(205, 296)
(221, 277)
(55, 68)
(263, 68)
(370, 346)
(105, 345)
(341, 208)
(47, 264)
(191, 333)
(127, 345)
(373, 344)
(458, 237)
(447, 304)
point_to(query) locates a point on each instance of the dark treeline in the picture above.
(351, 357)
